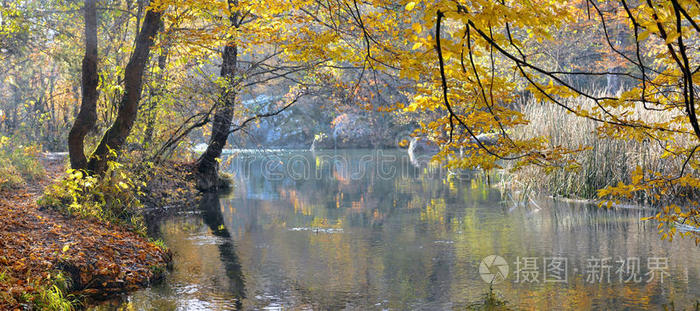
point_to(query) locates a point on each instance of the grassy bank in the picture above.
(606, 162)
(85, 241)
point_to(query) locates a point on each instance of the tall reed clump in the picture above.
(604, 161)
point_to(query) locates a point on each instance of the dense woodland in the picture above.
(582, 98)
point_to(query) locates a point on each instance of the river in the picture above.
(370, 230)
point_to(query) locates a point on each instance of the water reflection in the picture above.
(329, 231)
(214, 219)
(206, 274)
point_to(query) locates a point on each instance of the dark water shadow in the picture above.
(210, 207)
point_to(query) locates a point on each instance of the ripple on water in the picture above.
(200, 240)
(444, 242)
(317, 230)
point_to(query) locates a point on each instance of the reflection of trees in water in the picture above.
(356, 188)
(214, 219)
(416, 237)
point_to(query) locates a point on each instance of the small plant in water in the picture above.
(491, 301)
(672, 306)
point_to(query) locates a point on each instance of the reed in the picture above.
(606, 162)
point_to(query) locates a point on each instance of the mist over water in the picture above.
(332, 230)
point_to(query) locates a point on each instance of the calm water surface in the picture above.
(369, 230)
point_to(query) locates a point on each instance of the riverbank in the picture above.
(41, 248)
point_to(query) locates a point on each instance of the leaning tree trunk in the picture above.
(116, 135)
(87, 117)
(208, 165)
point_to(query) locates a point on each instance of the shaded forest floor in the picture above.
(100, 259)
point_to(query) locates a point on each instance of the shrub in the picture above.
(112, 197)
(26, 160)
(18, 164)
(10, 178)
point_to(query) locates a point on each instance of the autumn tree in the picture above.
(87, 117)
(481, 57)
(42, 66)
(207, 165)
(115, 137)
(36, 86)
(261, 49)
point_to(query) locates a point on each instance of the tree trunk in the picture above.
(87, 117)
(116, 135)
(208, 165)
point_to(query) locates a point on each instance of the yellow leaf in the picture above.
(417, 27)
(643, 36)
(410, 6)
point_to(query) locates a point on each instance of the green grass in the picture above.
(51, 294)
(52, 298)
